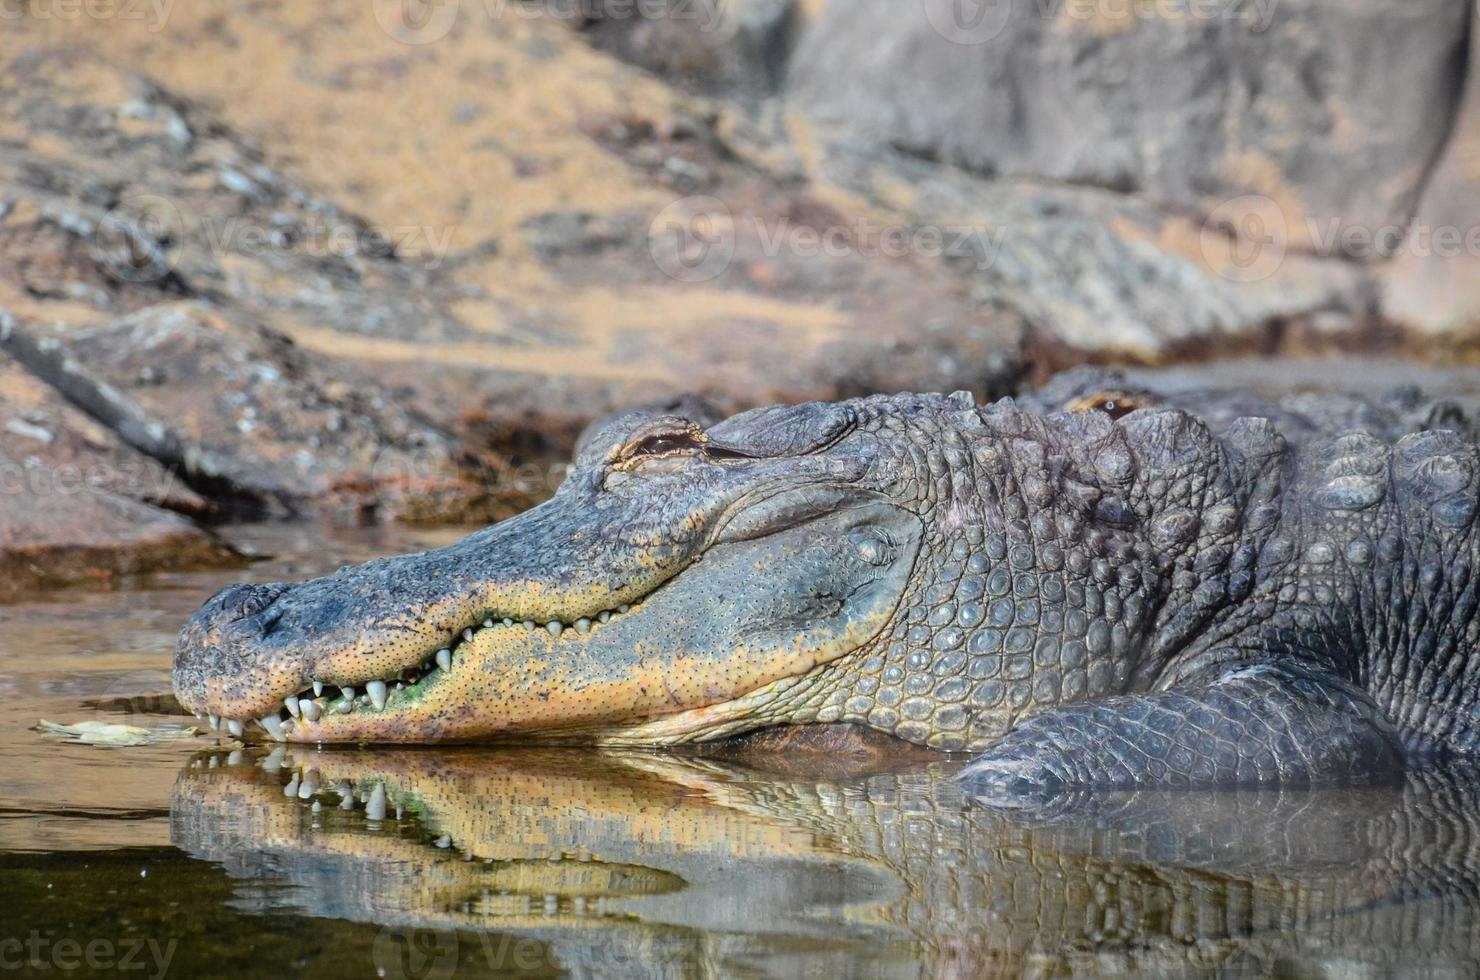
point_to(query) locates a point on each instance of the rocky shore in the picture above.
(333, 261)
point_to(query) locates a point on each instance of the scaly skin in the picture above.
(1083, 598)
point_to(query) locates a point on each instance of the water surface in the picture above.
(183, 859)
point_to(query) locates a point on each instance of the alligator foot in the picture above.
(1254, 725)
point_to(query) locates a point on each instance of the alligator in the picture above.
(621, 863)
(1122, 594)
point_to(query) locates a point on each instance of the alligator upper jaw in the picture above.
(475, 655)
(252, 647)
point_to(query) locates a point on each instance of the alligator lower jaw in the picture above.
(375, 700)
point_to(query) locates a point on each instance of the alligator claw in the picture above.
(1010, 782)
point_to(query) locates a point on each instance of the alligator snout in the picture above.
(219, 660)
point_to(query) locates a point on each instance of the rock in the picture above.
(500, 299)
(241, 413)
(738, 48)
(348, 263)
(78, 506)
(1109, 276)
(1431, 287)
(1329, 109)
(70, 451)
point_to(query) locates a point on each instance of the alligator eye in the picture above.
(872, 545)
(661, 445)
(658, 453)
(1114, 404)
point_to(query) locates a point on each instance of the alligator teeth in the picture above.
(214, 721)
(292, 705)
(624, 608)
(318, 688)
(583, 625)
(375, 805)
(488, 624)
(529, 624)
(508, 621)
(444, 659)
(376, 690)
(467, 635)
(309, 708)
(274, 727)
(604, 616)
(345, 707)
(234, 727)
(310, 785)
(554, 627)
(348, 692)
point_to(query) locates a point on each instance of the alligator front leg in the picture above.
(1262, 724)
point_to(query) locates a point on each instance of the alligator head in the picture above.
(685, 581)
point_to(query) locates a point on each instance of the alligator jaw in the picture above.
(713, 633)
(327, 713)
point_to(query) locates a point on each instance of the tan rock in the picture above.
(78, 506)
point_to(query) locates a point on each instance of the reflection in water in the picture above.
(654, 865)
(657, 865)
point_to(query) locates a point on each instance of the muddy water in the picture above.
(180, 859)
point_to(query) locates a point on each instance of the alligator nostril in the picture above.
(237, 602)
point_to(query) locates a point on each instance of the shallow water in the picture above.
(182, 860)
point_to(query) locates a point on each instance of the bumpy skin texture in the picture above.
(1095, 598)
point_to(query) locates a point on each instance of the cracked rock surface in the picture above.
(303, 260)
